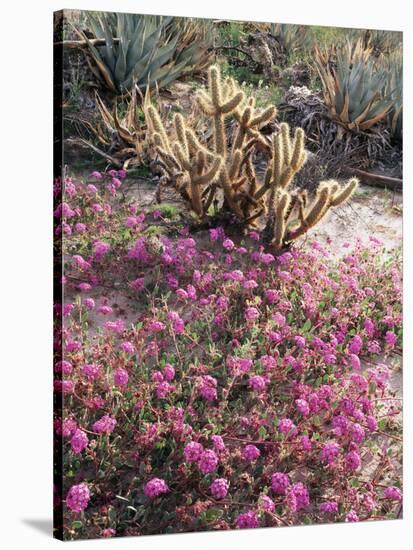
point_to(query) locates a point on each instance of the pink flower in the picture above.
(79, 441)
(208, 461)
(352, 517)
(266, 504)
(106, 424)
(357, 433)
(120, 377)
(208, 388)
(355, 345)
(163, 389)
(138, 284)
(64, 366)
(352, 461)
(250, 453)
(390, 338)
(393, 493)
(69, 427)
(251, 314)
(127, 347)
(80, 228)
(275, 337)
(268, 362)
(193, 451)
(287, 426)
(91, 371)
(279, 319)
(368, 326)
(100, 249)
(169, 372)
(271, 295)
(329, 507)
(258, 383)
(228, 244)
(330, 452)
(303, 406)
(108, 532)
(105, 310)
(155, 487)
(89, 303)
(219, 488)
(247, 520)
(355, 361)
(218, 443)
(156, 326)
(298, 497)
(306, 444)
(280, 483)
(299, 341)
(78, 497)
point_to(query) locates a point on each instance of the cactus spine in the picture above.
(198, 171)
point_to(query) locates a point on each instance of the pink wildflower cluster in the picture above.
(243, 388)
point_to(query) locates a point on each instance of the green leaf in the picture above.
(307, 326)
(262, 432)
(213, 514)
(77, 524)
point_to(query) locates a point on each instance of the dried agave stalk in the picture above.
(123, 138)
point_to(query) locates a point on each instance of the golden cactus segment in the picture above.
(265, 116)
(283, 200)
(345, 194)
(298, 149)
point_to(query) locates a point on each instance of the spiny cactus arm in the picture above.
(232, 103)
(204, 103)
(226, 185)
(265, 116)
(235, 164)
(220, 141)
(195, 145)
(169, 160)
(180, 155)
(215, 90)
(283, 200)
(157, 126)
(286, 142)
(196, 201)
(181, 134)
(200, 162)
(314, 213)
(211, 175)
(298, 154)
(277, 160)
(345, 193)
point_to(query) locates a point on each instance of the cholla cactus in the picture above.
(197, 172)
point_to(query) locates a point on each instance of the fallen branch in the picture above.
(377, 180)
(84, 142)
(83, 43)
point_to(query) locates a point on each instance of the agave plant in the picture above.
(144, 50)
(290, 37)
(353, 88)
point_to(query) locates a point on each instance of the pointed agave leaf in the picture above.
(100, 63)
